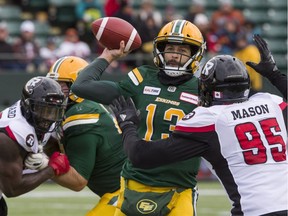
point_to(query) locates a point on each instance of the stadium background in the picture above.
(269, 15)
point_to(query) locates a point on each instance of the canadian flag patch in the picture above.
(190, 98)
(217, 94)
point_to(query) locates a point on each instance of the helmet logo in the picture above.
(30, 140)
(146, 206)
(209, 65)
(30, 85)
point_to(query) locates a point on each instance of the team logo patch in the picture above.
(188, 116)
(146, 206)
(30, 139)
(151, 90)
(190, 98)
(172, 89)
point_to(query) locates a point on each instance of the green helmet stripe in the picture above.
(178, 26)
(57, 64)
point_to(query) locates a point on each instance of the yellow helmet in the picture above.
(179, 32)
(66, 69)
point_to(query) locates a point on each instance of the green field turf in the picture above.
(52, 200)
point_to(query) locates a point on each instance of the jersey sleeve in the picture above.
(131, 84)
(80, 140)
(81, 118)
(25, 138)
(89, 86)
(81, 153)
(279, 80)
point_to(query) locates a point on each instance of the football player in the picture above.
(91, 139)
(163, 94)
(243, 139)
(23, 129)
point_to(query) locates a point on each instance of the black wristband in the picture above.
(122, 125)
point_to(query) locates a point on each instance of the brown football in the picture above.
(109, 31)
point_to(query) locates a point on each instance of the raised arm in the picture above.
(88, 84)
(267, 66)
(12, 182)
(149, 154)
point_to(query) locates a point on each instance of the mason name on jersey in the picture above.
(250, 111)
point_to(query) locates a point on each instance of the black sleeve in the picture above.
(279, 80)
(89, 86)
(150, 154)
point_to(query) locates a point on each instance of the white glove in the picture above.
(36, 161)
(40, 148)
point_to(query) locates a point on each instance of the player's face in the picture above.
(176, 55)
(65, 88)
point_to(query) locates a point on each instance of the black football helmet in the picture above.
(43, 104)
(223, 80)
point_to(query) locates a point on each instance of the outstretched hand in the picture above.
(125, 111)
(114, 54)
(267, 66)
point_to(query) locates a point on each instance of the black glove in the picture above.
(267, 66)
(125, 111)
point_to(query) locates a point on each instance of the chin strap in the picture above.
(175, 81)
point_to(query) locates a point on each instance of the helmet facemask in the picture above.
(46, 112)
(187, 67)
(179, 32)
(43, 104)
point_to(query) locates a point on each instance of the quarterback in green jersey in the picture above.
(92, 142)
(163, 94)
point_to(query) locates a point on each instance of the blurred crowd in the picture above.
(226, 31)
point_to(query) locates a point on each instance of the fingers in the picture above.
(262, 47)
(259, 44)
(260, 40)
(113, 108)
(122, 45)
(251, 64)
(118, 104)
(130, 102)
(122, 101)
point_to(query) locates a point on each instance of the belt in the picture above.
(133, 185)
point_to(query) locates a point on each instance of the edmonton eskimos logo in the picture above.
(146, 206)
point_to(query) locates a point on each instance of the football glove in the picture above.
(125, 111)
(36, 161)
(267, 66)
(60, 163)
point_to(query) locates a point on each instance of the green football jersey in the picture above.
(161, 106)
(93, 144)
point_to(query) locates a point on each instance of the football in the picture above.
(109, 31)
